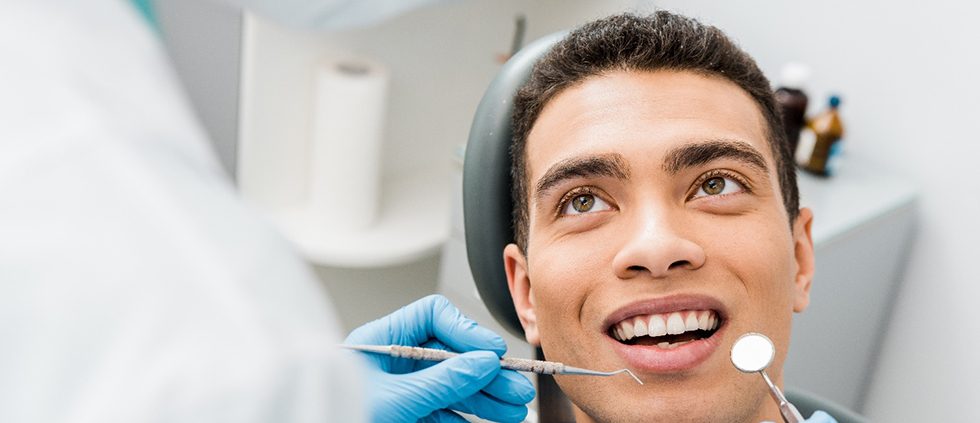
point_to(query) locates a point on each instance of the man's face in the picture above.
(654, 205)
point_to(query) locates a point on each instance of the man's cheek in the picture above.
(560, 281)
(562, 266)
(757, 249)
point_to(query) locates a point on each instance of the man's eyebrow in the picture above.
(697, 154)
(610, 165)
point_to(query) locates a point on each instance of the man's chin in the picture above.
(674, 398)
(688, 410)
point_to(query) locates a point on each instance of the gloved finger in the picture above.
(364, 335)
(443, 416)
(444, 322)
(461, 333)
(450, 381)
(433, 344)
(416, 365)
(410, 323)
(406, 326)
(406, 365)
(820, 417)
(490, 408)
(430, 317)
(511, 387)
(510, 390)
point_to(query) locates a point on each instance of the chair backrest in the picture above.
(486, 183)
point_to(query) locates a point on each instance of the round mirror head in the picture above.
(753, 352)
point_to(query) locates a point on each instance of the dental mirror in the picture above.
(753, 352)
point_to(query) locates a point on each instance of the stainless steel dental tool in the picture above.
(753, 352)
(520, 364)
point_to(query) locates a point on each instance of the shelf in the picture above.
(413, 223)
(860, 192)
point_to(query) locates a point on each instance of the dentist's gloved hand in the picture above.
(820, 417)
(402, 390)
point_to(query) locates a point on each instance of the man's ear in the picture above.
(515, 264)
(803, 248)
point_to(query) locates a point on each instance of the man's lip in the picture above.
(665, 305)
(652, 359)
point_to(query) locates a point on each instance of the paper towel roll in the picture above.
(345, 168)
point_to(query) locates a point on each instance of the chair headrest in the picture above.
(487, 204)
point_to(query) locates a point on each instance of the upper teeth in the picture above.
(665, 324)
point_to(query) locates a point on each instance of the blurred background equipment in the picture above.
(819, 151)
(792, 101)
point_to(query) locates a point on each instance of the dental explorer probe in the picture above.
(753, 352)
(519, 364)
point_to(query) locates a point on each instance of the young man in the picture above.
(657, 220)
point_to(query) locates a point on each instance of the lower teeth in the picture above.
(670, 346)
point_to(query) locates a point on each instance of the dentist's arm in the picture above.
(330, 14)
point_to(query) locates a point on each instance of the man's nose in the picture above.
(657, 246)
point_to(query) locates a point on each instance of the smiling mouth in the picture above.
(666, 330)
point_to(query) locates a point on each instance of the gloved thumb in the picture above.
(450, 381)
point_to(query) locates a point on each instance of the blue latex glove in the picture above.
(402, 390)
(820, 417)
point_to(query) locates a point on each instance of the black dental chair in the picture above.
(487, 219)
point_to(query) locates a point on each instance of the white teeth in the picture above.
(669, 346)
(665, 324)
(627, 330)
(703, 320)
(658, 327)
(692, 321)
(639, 327)
(675, 324)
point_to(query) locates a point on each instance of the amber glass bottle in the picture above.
(826, 131)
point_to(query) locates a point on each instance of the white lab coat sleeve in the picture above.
(331, 14)
(135, 286)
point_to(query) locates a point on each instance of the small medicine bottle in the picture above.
(820, 142)
(792, 101)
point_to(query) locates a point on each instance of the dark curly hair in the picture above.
(630, 42)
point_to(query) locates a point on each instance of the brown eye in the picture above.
(583, 203)
(717, 186)
(714, 186)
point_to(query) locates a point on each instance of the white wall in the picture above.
(907, 72)
(203, 39)
(441, 59)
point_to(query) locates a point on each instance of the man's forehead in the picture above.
(639, 112)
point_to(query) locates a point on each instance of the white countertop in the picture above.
(860, 192)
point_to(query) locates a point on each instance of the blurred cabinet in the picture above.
(863, 227)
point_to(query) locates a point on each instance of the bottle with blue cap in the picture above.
(825, 132)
